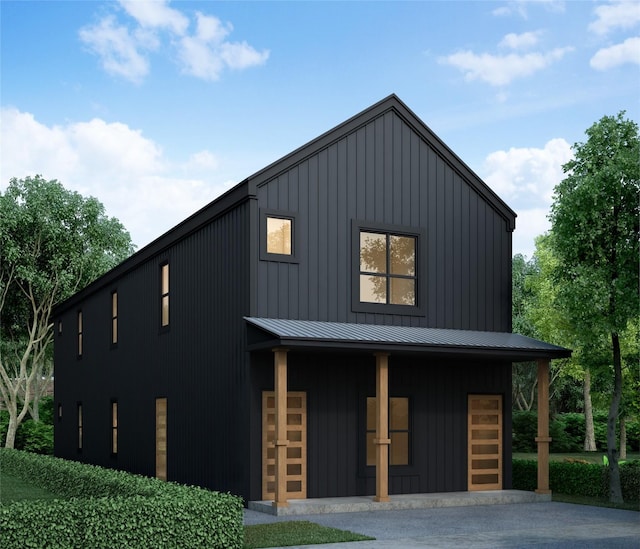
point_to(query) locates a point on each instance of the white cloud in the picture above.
(207, 53)
(519, 7)
(117, 48)
(204, 54)
(500, 70)
(520, 41)
(624, 14)
(619, 54)
(527, 174)
(525, 178)
(118, 165)
(156, 14)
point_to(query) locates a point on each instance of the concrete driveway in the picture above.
(539, 525)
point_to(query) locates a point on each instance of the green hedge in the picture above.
(578, 479)
(567, 432)
(106, 508)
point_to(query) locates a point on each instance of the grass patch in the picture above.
(597, 502)
(15, 489)
(300, 532)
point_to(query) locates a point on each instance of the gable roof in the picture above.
(247, 188)
(310, 334)
(389, 103)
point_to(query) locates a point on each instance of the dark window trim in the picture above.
(79, 427)
(79, 334)
(357, 226)
(365, 470)
(280, 214)
(164, 327)
(113, 431)
(114, 319)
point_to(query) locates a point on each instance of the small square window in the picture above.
(278, 239)
(278, 236)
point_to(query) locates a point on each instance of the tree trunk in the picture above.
(589, 432)
(615, 490)
(623, 438)
(10, 441)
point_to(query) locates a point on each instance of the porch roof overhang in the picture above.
(267, 333)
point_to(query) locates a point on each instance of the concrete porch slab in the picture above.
(401, 501)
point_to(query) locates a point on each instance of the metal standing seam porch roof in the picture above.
(311, 334)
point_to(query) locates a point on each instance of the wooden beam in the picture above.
(280, 386)
(543, 439)
(382, 440)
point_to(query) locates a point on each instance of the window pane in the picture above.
(399, 451)
(373, 289)
(165, 279)
(278, 236)
(114, 304)
(399, 413)
(165, 310)
(371, 449)
(373, 253)
(403, 291)
(402, 255)
(371, 414)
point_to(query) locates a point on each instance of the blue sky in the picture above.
(156, 108)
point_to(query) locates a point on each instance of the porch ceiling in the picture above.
(266, 333)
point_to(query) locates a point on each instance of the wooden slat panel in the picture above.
(296, 463)
(161, 438)
(484, 416)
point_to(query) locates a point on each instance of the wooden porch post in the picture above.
(543, 439)
(382, 440)
(280, 386)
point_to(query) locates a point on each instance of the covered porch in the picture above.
(381, 342)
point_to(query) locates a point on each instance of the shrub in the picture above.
(109, 508)
(525, 430)
(578, 479)
(32, 436)
(525, 474)
(35, 437)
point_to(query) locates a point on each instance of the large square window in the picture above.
(387, 268)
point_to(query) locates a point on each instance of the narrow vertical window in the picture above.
(114, 317)
(80, 433)
(114, 427)
(59, 327)
(80, 333)
(59, 411)
(164, 293)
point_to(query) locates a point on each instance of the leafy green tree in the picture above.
(53, 242)
(595, 231)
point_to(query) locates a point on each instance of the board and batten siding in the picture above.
(385, 172)
(337, 386)
(198, 363)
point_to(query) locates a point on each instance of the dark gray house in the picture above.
(337, 324)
